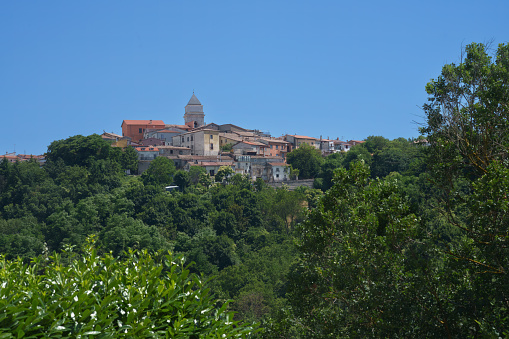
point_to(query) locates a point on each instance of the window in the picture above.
(182, 139)
(277, 175)
(211, 172)
(187, 138)
(211, 146)
(277, 169)
(271, 146)
(277, 146)
(211, 137)
(171, 151)
(140, 130)
(191, 138)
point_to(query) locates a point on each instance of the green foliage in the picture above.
(375, 143)
(352, 249)
(160, 172)
(141, 296)
(306, 159)
(82, 151)
(129, 160)
(195, 172)
(227, 147)
(223, 173)
(182, 179)
(357, 153)
(467, 114)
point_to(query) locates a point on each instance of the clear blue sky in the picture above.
(331, 68)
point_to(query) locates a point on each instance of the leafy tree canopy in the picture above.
(306, 159)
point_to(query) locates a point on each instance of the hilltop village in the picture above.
(209, 145)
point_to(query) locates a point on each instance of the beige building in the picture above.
(297, 140)
(201, 142)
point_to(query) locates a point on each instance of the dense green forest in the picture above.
(399, 238)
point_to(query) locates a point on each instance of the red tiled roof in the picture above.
(278, 164)
(254, 143)
(143, 122)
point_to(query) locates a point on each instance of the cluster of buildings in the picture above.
(195, 143)
(14, 157)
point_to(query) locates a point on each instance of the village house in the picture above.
(277, 147)
(135, 129)
(249, 148)
(326, 146)
(152, 142)
(196, 143)
(268, 168)
(166, 135)
(228, 138)
(173, 150)
(201, 142)
(297, 140)
(147, 153)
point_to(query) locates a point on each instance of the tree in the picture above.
(357, 153)
(194, 173)
(223, 173)
(82, 150)
(350, 278)
(227, 147)
(129, 160)
(467, 111)
(181, 179)
(331, 162)
(467, 119)
(142, 296)
(306, 159)
(160, 172)
(375, 143)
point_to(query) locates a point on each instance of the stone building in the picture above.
(194, 115)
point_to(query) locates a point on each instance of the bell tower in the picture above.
(194, 115)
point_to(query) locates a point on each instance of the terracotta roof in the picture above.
(278, 164)
(107, 135)
(277, 141)
(143, 122)
(302, 137)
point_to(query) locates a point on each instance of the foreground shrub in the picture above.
(94, 296)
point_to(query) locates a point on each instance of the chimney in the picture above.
(151, 121)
